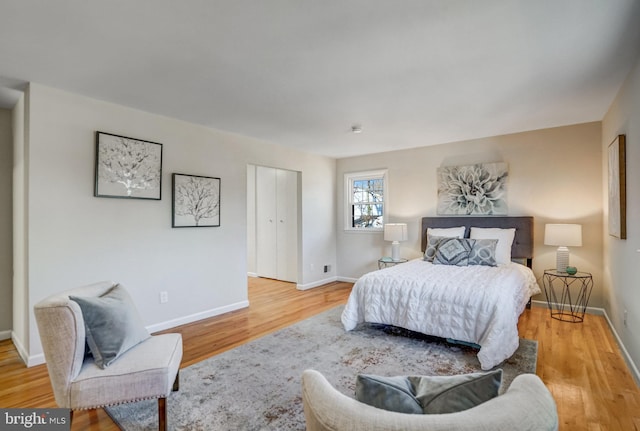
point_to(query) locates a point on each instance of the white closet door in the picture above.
(277, 223)
(266, 231)
(287, 230)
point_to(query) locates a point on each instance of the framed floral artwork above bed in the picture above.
(479, 189)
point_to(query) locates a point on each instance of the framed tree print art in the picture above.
(127, 167)
(196, 201)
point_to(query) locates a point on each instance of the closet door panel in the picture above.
(287, 226)
(266, 223)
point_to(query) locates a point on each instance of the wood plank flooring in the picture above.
(580, 363)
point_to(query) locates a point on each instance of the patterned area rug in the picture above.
(257, 386)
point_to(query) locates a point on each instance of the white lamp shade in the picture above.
(395, 232)
(568, 235)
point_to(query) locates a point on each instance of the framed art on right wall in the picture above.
(196, 201)
(617, 188)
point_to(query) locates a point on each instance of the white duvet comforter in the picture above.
(476, 304)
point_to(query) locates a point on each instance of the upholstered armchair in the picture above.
(526, 405)
(80, 380)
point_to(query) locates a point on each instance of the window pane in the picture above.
(367, 216)
(368, 190)
(364, 200)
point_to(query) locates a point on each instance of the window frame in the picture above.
(349, 179)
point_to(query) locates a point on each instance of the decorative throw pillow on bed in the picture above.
(483, 252)
(453, 251)
(428, 394)
(505, 240)
(432, 245)
(447, 232)
(112, 324)
(436, 234)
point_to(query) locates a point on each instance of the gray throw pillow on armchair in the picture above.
(388, 393)
(451, 394)
(112, 324)
(428, 394)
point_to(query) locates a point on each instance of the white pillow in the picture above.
(449, 232)
(505, 240)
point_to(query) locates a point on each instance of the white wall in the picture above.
(251, 221)
(622, 257)
(20, 330)
(6, 229)
(75, 238)
(554, 175)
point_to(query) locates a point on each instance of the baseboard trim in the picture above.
(633, 368)
(196, 316)
(29, 361)
(5, 335)
(38, 359)
(316, 283)
(590, 310)
(625, 353)
(252, 274)
(347, 279)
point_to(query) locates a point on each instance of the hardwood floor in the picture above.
(583, 368)
(580, 363)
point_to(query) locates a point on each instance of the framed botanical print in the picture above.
(196, 201)
(479, 189)
(127, 168)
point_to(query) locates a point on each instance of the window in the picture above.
(365, 200)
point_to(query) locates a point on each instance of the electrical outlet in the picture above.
(624, 318)
(327, 268)
(164, 297)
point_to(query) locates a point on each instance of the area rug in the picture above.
(257, 386)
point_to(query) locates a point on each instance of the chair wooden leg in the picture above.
(176, 383)
(162, 414)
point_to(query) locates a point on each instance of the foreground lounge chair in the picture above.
(526, 405)
(147, 370)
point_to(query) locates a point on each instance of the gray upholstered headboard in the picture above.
(522, 247)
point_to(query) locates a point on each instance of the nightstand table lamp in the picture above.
(563, 236)
(395, 232)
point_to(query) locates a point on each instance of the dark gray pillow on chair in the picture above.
(388, 393)
(428, 394)
(112, 323)
(451, 394)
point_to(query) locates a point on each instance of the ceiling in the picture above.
(301, 73)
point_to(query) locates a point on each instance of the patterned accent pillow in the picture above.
(453, 251)
(432, 245)
(483, 252)
(505, 239)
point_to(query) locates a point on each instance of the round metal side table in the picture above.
(567, 294)
(386, 262)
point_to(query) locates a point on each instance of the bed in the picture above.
(475, 304)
